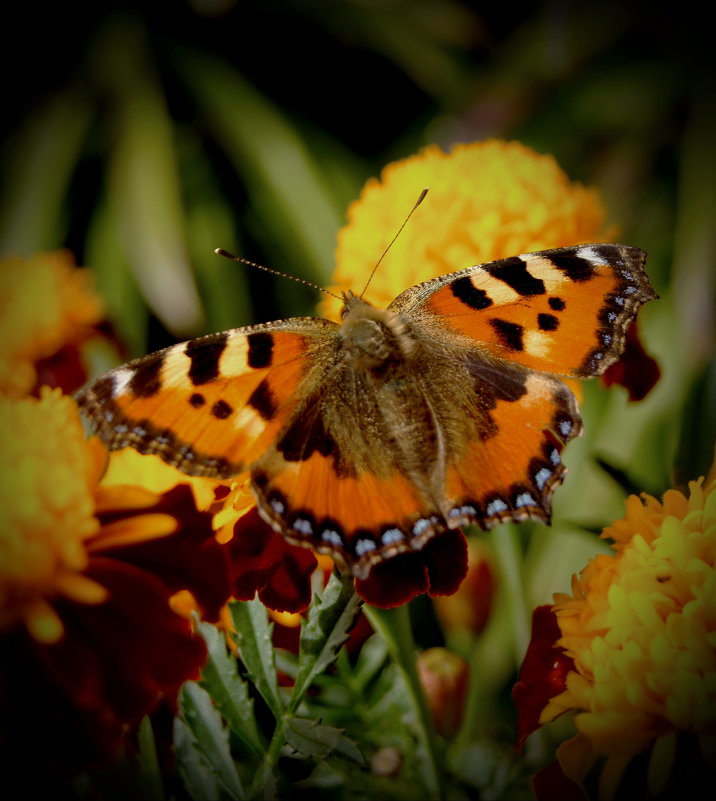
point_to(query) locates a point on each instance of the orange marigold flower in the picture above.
(46, 305)
(487, 200)
(640, 629)
(88, 640)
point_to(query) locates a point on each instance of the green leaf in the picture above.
(144, 185)
(115, 281)
(198, 777)
(371, 659)
(221, 679)
(310, 739)
(284, 182)
(256, 648)
(212, 739)
(148, 762)
(42, 157)
(330, 618)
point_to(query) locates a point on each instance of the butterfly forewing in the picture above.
(562, 311)
(210, 406)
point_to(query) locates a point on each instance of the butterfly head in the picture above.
(372, 337)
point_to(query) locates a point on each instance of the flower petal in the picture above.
(264, 563)
(189, 559)
(636, 369)
(543, 672)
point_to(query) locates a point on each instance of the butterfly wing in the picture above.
(510, 466)
(562, 311)
(213, 405)
(513, 325)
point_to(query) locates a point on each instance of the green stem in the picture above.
(506, 542)
(394, 626)
(261, 787)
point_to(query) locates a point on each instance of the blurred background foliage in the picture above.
(142, 136)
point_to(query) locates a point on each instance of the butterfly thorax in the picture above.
(373, 338)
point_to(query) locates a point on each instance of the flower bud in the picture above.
(444, 676)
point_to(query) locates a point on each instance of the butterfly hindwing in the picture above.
(212, 405)
(511, 471)
(562, 311)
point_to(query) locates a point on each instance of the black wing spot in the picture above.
(306, 435)
(146, 381)
(469, 294)
(260, 350)
(263, 400)
(573, 266)
(514, 273)
(221, 409)
(205, 355)
(547, 322)
(556, 304)
(509, 334)
(197, 400)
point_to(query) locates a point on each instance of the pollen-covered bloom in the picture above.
(638, 635)
(88, 640)
(48, 308)
(487, 200)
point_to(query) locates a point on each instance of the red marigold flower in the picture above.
(266, 564)
(543, 673)
(636, 369)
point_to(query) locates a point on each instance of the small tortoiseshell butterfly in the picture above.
(364, 439)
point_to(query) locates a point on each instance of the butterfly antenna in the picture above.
(390, 244)
(226, 254)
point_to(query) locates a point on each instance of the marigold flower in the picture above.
(47, 308)
(640, 629)
(86, 574)
(487, 200)
(128, 466)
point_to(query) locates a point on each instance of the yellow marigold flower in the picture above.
(47, 508)
(55, 515)
(640, 626)
(487, 200)
(87, 571)
(45, 303)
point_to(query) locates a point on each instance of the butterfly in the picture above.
(366, 438)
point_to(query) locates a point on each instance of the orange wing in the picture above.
(561, 311)
(210, 406)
